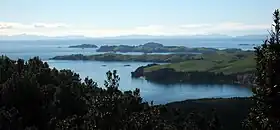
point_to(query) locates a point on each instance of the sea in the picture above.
(158, 93)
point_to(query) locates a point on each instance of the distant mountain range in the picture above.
(169, 37)
(38, 37)
(75, 37)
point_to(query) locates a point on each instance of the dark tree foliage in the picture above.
(171, 76)
(36, 97)
(265, 115)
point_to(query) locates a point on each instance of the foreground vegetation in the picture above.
(33, 96)
(265, 113)
(230, 112)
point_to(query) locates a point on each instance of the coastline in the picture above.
(230, 66)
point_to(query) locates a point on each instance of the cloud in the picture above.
(229, 26)
(149, 28)
(6, 26)
(13, 25)
(240, 26)
(60, 29)
(195, 25)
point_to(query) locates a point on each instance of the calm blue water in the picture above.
(94, 69)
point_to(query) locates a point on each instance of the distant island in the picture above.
(84, 46)
(168, 58)
(246, 44)
(217, 68)
(152, 47)
(156, 58)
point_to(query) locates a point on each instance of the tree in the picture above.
(34, 96)
(265, 114)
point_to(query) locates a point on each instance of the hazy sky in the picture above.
(124, 17)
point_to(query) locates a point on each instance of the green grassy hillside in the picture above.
(241, 61)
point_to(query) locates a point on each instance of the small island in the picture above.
(84, 46)
(152, 47)
(247, 44)
(243, 44)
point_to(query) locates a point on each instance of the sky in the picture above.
(102, 18)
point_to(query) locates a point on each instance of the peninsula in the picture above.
(216, 68)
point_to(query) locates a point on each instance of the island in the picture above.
(228, 66)
(84, 46)
(158, 58)
(216, 68)
(243, 44)
(152, 47)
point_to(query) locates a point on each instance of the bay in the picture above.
(96, 70)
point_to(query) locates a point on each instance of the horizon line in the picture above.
(135, 35)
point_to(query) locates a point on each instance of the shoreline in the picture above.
(108, 57)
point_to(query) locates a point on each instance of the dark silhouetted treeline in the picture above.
(265, 113)
(34, 96)
(171, 76)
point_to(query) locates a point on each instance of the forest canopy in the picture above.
(34, 96)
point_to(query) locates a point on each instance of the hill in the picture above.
(222, 67)
(221, 61)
